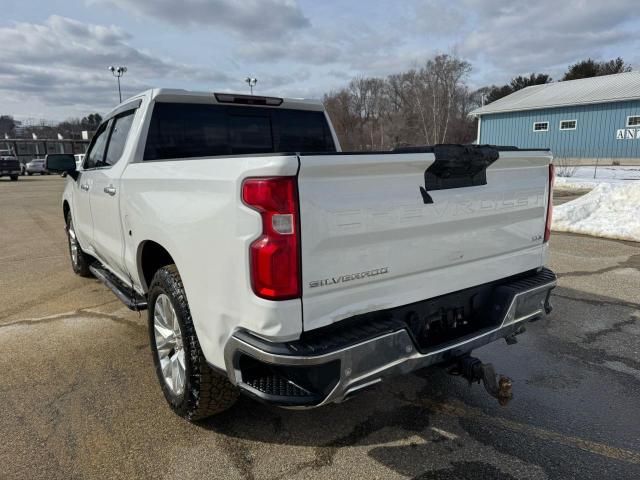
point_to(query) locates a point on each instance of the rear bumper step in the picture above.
(125, 294)
(331, 367)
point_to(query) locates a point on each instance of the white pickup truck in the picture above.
(272, 263)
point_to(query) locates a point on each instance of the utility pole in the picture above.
(251, 82)
(118, 72)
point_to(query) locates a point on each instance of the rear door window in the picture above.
(186, 130)
(182, 130)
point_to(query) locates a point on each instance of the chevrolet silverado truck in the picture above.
(273, 264)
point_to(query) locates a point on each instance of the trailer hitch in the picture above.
(475, 371)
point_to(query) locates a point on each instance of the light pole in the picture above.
(251, 82)
(118, 72)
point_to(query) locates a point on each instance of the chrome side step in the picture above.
(125, 294)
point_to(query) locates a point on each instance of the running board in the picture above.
(124, 293)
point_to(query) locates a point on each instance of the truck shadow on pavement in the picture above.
(378, 417)
(431, 422)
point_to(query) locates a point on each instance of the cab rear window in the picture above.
(184, 130)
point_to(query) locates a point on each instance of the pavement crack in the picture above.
(409, 418)
(632, 262)
(84, 312)
(54, 405)
(597, 303)
(591, 337)
(460, 410)
(40, 299)
(593, 356)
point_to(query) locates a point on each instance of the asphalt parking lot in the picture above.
(79, 397)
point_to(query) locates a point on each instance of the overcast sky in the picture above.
(54, 54)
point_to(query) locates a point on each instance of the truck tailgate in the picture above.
(370, 240)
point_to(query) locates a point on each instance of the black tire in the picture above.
(14, 177)
(206, 392)
(29, 173)
(82, 261)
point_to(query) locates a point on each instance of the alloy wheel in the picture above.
(169, 346)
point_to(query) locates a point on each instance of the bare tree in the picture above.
(420, 106)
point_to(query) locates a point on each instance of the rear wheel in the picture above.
(192, 389)
(80, 261)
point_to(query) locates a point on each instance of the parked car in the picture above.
(36, 166)
(273, 264)
(9, 165)
(79, 159)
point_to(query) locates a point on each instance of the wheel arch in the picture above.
(151, 257)
(66, 208)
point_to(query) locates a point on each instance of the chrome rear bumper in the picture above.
(366, 363)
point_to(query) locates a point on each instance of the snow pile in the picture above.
(566, 184)
(582, 177)
(610, 210)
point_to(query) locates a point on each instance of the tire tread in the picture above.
(207, 392)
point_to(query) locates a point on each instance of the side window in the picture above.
(118, 138)
(180, 130)
(95, 154)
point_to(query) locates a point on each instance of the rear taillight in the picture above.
(275, 269)
(547, 226)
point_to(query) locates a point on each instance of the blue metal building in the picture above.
(582, 121)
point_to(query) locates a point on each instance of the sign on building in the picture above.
(628, 134)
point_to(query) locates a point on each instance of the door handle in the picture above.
(110, 190)
(85, 187)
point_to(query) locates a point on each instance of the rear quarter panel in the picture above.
(193, 209)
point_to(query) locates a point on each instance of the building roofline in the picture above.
(620, 87)
(476, 113)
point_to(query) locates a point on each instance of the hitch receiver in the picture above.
(475, 371)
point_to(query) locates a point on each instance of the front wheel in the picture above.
(80, 261)
(14, 177)
(193, 390)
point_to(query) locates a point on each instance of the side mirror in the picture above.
(66, 165)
